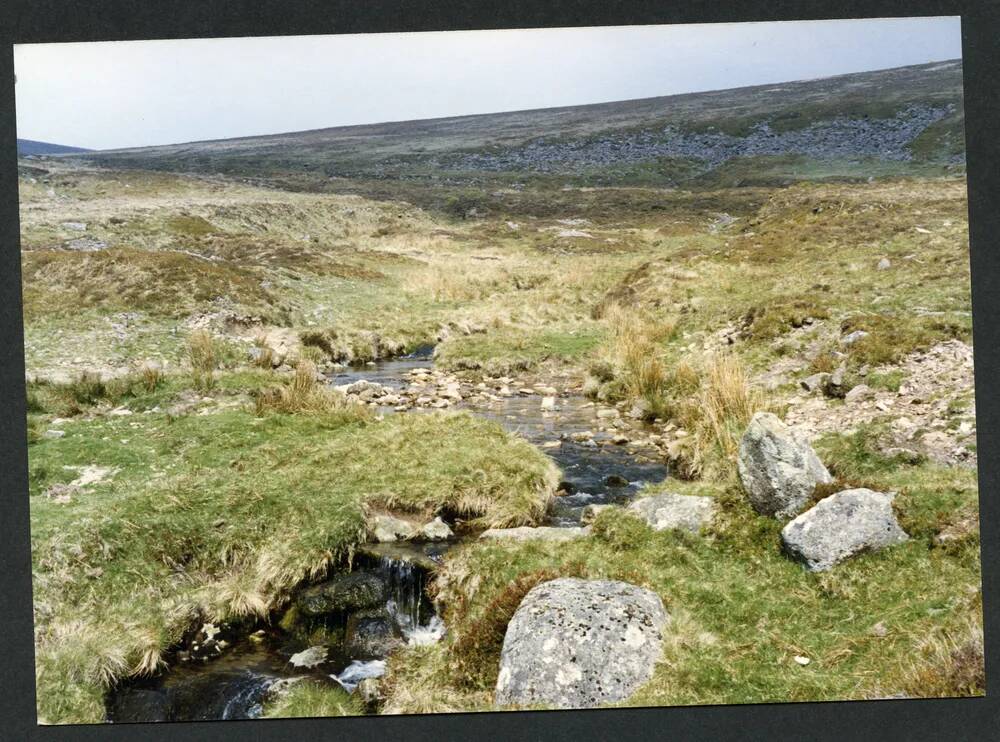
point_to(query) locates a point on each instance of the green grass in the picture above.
(307, 698)
(220, 515)
(741, 611)
(512, 349)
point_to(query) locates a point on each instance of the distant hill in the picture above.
(31, 147)
(892, 121)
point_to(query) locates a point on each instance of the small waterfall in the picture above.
(407, 604)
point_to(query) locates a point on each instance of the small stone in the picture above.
(53, 434)
(853, 337)
(548, 403)
(778, 468)
(814, 382)
(436, 530)
(861, 391)
(576, 643)
(386, 528)
(802, 660)
(884, 264)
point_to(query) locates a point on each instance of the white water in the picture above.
(357, 671)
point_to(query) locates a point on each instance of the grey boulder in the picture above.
(576, 643)
(778, 468)
(681, 512)
(841, 526)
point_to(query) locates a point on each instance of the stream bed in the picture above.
(247, 663)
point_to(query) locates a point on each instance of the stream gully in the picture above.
(234, 670)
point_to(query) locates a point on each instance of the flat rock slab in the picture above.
(841, 526)
(527, 533)
(576, 643)
(778, 468)
(669, 511)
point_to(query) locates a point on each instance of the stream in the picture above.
(234, 672)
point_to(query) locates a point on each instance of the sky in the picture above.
(104, 95)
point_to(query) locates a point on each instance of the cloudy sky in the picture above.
(133, 93)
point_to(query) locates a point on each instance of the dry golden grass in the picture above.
(714, 415)
(304, 394)
(203, 356)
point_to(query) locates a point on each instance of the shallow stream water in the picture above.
(234, 685)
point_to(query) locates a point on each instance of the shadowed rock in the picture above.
(576, 643)
(841, 526)
(344, 592)
(778, 469)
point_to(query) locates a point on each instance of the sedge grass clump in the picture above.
(306, 698)
(636, 347)
(304, 394)
(203, 355)
(715, 413)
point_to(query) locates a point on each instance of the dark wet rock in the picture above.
(616, 480)
(779, 469)
(139, 705)
(566, 488)
(371, 634)
(343, 593)
(668, 511)
(841, 526)
(576, 643)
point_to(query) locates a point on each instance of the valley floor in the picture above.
(187, 466)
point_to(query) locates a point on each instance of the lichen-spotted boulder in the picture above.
(675, 512)
(576, 643)
(778, 468)
(841, 526)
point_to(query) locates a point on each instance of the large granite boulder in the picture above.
(576, 643)
(841, 526)
(778, 468)
(343, 593)
(681, 512)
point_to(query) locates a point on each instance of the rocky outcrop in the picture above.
(841, 526)
(576, 643)
(682, 512)
(346, 592)
(778, 469)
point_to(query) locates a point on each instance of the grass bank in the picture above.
(144, 523)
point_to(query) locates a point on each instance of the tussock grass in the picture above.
(305, 394)
(247, 508)
(304, 698)
(203, 355)
(713, 403)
